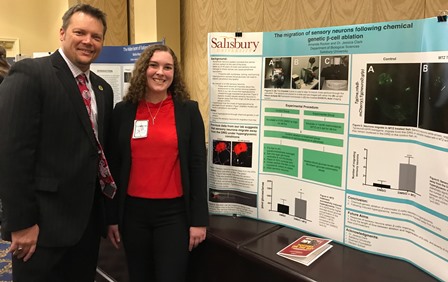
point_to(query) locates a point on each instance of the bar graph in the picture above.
(299, 209)
(407, 176)
(282, 208)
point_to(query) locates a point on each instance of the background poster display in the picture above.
(116, 63)
(340, 131)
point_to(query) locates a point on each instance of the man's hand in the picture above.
(23, 244)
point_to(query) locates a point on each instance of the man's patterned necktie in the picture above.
(107, 182)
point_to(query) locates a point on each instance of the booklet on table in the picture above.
(306, 249)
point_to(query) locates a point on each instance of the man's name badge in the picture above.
(140, 129)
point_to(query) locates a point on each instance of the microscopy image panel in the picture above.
(392, 94)
(277, 73)
(334, 75)
(305, 72)
(242, 154)
(434, 97)
(221, 152)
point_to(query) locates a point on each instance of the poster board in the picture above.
(341, 132)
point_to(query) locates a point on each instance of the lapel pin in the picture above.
(100, 87)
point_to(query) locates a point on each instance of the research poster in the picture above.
(341, 132)
(116, 63)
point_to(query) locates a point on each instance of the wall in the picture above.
(145, 21)
(155, 20)
(117, 19)
(199, 17)
(168, 24)
(35, 24)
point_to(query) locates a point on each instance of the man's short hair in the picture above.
(86, 9)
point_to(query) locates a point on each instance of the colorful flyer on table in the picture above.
(304, 246)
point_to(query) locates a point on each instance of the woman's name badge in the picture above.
(140, 129)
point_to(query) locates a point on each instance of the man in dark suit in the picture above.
(49, 155)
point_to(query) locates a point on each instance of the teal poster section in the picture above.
(341, 132)
(355, 39)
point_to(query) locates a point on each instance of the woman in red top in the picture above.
(158, 160)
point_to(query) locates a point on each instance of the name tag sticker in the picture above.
(140, 129)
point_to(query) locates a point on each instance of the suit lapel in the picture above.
(126, 127)
(128, 119)
(72, 91)
(182, 118)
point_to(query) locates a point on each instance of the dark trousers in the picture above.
(155, 237)
(69, 264)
